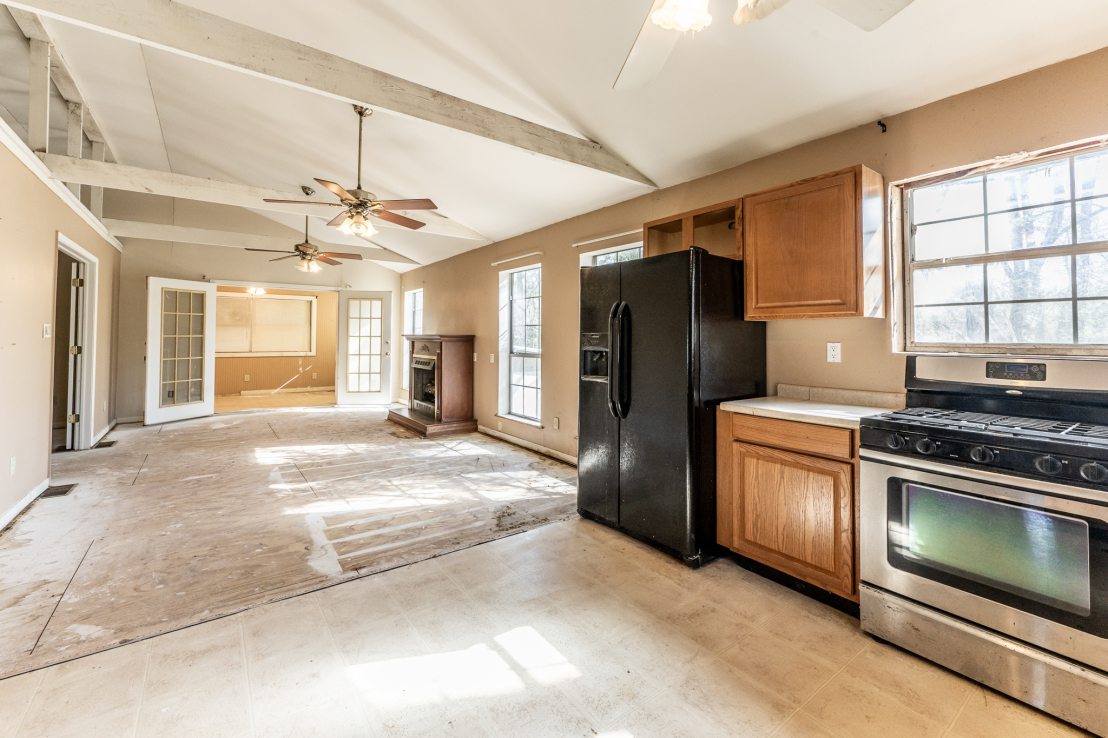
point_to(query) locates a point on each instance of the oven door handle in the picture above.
(987, 477)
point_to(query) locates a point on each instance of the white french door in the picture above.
(180, 350)
(363, 374)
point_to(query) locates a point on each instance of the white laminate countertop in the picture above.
(804, 411)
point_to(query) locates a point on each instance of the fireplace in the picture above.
(423, 395)
(440, 386)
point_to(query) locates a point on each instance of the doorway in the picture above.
(74, 334)
(275, 348)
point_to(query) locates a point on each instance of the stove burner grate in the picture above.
(1010, 425)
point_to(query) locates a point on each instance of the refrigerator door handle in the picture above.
(618, 363)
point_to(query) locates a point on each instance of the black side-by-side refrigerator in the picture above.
(663, 342)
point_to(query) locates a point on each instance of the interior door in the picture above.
(76, 360)
(363, 373)
(180, 350)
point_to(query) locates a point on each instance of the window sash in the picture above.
(519, 408)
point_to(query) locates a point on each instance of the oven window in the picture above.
(1031, 553)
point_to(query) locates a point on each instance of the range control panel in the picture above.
(1017, 371)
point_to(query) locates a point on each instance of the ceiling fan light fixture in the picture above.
(308, 265)
(683, 15)
(256, 291)
(357, 225)
(755, 10)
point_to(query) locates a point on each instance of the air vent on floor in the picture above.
(60, 491)
(104, 444)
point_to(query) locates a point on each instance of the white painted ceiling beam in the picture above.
(38, 115)
(135, 179)
(182, 234)
(75, 139)
(181, 29)
(32, 28)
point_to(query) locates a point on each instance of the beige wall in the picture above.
(31, 217)
(287, 372)
(143, 258)
(1049, 106)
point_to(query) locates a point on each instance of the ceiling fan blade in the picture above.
(325, 260)
(399, 220)
(335, 255)
(408, 204)
(282, 258)
(338, 219)
(336, 189)
(648, 54)
(868, 15)
(308, 202)
(271, 251)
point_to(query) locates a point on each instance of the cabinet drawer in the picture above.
(807, 438)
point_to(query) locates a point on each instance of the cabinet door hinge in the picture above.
(73, 418)
(74, 350)
(78, 282)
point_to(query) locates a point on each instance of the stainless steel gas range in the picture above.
(984, 527)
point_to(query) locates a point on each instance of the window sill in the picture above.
(518, 419)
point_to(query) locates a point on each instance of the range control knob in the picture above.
(1094, 473)
(1048, 465)
(926, 446)
(896, 441)
(982, 455)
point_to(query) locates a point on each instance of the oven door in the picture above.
(1023, 557)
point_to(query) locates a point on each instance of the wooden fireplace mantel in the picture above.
(453, 400)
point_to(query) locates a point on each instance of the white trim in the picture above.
(100, 436)
(272, 285)
(11, 513)
(528, 445)
(154, 413)
(87, 311)
(13, 143)
(520, 419)
(608, 238)
(517, 258)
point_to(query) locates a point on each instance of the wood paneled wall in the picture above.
(271, 372)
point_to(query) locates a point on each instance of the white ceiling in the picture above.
(727, 95)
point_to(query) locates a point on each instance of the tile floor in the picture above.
(184, 522)
(568, 629)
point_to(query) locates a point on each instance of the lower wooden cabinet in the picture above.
(792, 511)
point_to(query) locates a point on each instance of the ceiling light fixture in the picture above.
(308, 265)
(754, 10)
(357, 225)
(256, 291)
(683, 15)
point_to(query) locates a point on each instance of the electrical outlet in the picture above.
(835, 353)
(556, 423)
(474, 357)
(11, 468)
(313, 375)
(246, 378)
(499, 426)
(46, 330)
(492, 358)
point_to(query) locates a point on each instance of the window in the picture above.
(1011, 261)
(413, 324)
(525, 342)
(182, 347)
(613, 257)
(363, 356)
(274, 325)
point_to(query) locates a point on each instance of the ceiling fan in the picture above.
(668, 20)
(359, 206)
(310, 257)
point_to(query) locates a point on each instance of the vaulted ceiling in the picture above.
(728, 94)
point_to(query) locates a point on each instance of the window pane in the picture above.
(419, 300)
(197, 347)
(534, 282)
(516, 405)
(956, 238)
(1092, 321)
(1031, 322)
(197, 325)
(376, 306)
(375, 364)
(1091, 174)
(363, 364)
(355, 308)
(196, 369)
(949, 284)
(529, 379)
(374, 382)
(352, 347)
(950, 324)
(182, 368)
(167, 371)
(352, 364)
(1092, 221)
(184, 305)
(1092, 275)
(534, 344)
(517, 370)
(1031, 229)
(196, 391)
(948, 200)
(363, 346)
(604, 259)
(531, 402)
(183, 325)
(169, 301)
(1030, 279)
(519, 312)
(198, 302)
(519, 285)
(374, 346)
(630, 254)
(168, 348)
(519, 342)
(183, 347)
(1038, 184)
(532, 311)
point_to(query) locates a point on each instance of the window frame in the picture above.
(588, 258)
(512, 353)
(313, 309)
(903, 267)
(410, 329)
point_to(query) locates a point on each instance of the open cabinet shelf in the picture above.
(717, 229)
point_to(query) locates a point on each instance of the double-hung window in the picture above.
(525, 341)
(413, 324)
(1010, 260)
(614, 257)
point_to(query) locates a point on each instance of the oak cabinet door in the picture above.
(795, 513)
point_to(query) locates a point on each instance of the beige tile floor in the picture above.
(184, 522)
(568, 629)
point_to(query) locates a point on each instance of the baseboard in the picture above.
(132, 419)
(528, 445)
(9, 515)
(253, 393)
(101, 434)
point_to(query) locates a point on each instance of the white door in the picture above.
(362, 375)
(180, 350)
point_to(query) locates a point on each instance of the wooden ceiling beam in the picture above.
(136, 179)
(182, 29)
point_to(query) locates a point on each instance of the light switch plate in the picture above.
(11, 468)
(313, 375)
(492, 358)
(46, 330)
(557, 422)
(246, 378)
(499, 427)
(835, 353)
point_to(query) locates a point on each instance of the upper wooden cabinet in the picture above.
(716, 229)
(816, 248)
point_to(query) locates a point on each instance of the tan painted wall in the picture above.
(288, 372)
(31, 216)
(1053, 105)
(144, 259)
